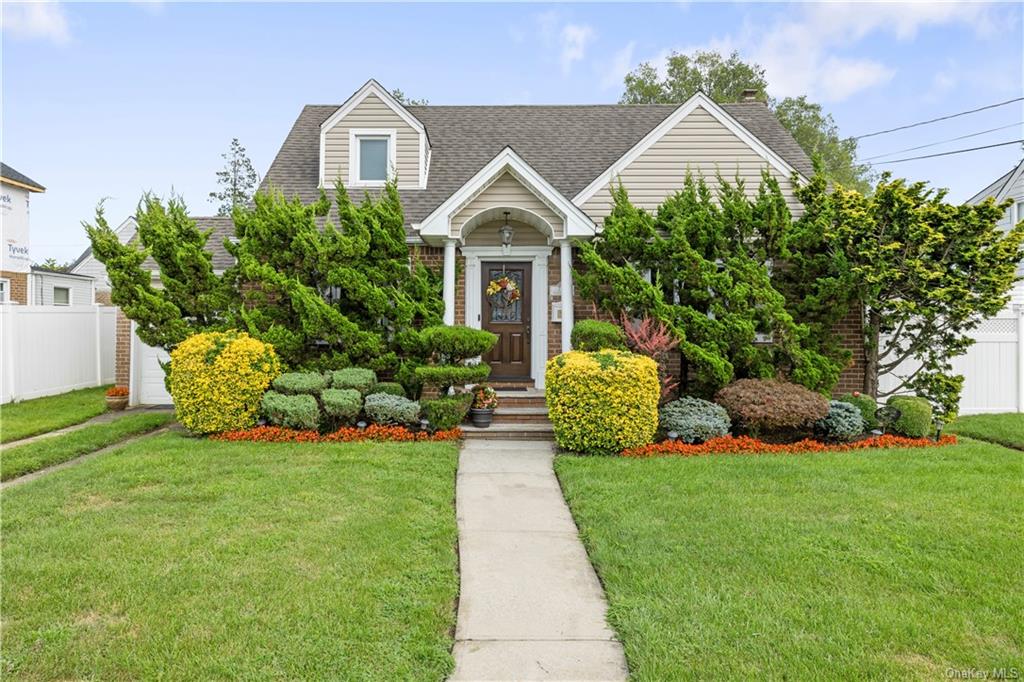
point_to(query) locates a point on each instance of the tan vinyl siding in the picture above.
(701, 144)
(372, 113)
(487, 235)
(506, 191)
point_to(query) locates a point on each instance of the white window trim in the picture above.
(53, 294)
(6, 297)
(353, 154)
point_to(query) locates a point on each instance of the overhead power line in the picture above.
(955, 151)
(935, 144)
(940, 118)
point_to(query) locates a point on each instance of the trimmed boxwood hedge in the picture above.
(291, 411)
(363, 380)
(297, 383)
(342, 404)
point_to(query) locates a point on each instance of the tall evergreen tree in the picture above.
(238, 180)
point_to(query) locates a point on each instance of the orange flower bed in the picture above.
(374, 432)
(744, 445)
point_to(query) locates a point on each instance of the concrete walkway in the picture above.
(530, 605)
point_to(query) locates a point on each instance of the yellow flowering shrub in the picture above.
(602, 402)
(217, 380)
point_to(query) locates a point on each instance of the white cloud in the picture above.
(574, 40)
(36, 20)
(619, 66)
(802, 52)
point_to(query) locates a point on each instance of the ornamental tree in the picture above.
(927, 272)
(700, 264)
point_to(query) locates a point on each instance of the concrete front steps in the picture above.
(520, 415)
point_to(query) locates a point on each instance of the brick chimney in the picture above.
(750, 95)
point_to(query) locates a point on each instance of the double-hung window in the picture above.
(5, 290)
(372, 160)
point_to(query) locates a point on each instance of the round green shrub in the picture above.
(447, 413)
(297, 383)
(842, 423)
(595, 335)
(453, 344)
(390, 387)
(342, 404)
(769, 406)
(867, 406)
(603, 402)
(915, 420)
(384, 408)
(291, 411)
(362, 380)
(694, 420)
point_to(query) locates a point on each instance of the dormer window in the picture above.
(373, 157)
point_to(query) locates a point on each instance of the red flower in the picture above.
(745, 445)
(374, 432)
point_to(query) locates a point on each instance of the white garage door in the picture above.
(149, 386)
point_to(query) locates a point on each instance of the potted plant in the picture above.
(117, 398)
(485, 399)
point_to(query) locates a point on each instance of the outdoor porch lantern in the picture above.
(506, 233)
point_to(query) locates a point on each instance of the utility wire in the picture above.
(940, 118)
(955, 151)
(934, 144)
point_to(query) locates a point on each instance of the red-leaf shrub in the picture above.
(374, 432)
(762, 406)
(653, 338)
(745, 445)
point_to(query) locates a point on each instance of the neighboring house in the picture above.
(87, 264)
(465, 172)
(1008, 186)
(15, 259)
(57, 287)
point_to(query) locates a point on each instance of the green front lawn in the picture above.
(885, 564)
(180, 558)
(42, 415)
(1007, 429)
(22, 459)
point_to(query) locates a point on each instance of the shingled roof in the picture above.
(569, 145)
(8, 173)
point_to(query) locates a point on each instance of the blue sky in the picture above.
(111, 100)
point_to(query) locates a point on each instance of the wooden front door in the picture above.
(509, 319)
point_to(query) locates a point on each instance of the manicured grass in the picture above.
(42, 415)
(180, 558)
(1007, 429)
(22, 459)
(884, 565)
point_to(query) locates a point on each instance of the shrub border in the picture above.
(745, 445)
(373, 432)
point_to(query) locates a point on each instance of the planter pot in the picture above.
(481, 418)
(118, 402)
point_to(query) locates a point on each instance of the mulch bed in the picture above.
(745, 445)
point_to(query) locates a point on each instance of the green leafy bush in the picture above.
(595, 335)
(384, 408)
(447, 413)
(604, 402)
(915, 419)
(297, 383)
(867, 406)
(363, 380)
(390, 387)
(342, 404)
(453, 344)
(766, 406)
(842, 423)
(291, 411)
(695, 420)
(446, 376)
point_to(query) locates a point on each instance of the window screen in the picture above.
(373, 159)
(61, 296)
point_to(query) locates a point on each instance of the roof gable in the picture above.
(1000, 189)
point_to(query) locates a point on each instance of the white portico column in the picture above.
(567, 297)
(449, 282)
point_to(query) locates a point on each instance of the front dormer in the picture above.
(372, 138)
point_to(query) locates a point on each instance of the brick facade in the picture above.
(19, 286)
(851, 333)
(122, 349)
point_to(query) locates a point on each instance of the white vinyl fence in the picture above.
(47, 350)
(993, 367)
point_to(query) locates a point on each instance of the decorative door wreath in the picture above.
(503, 292)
